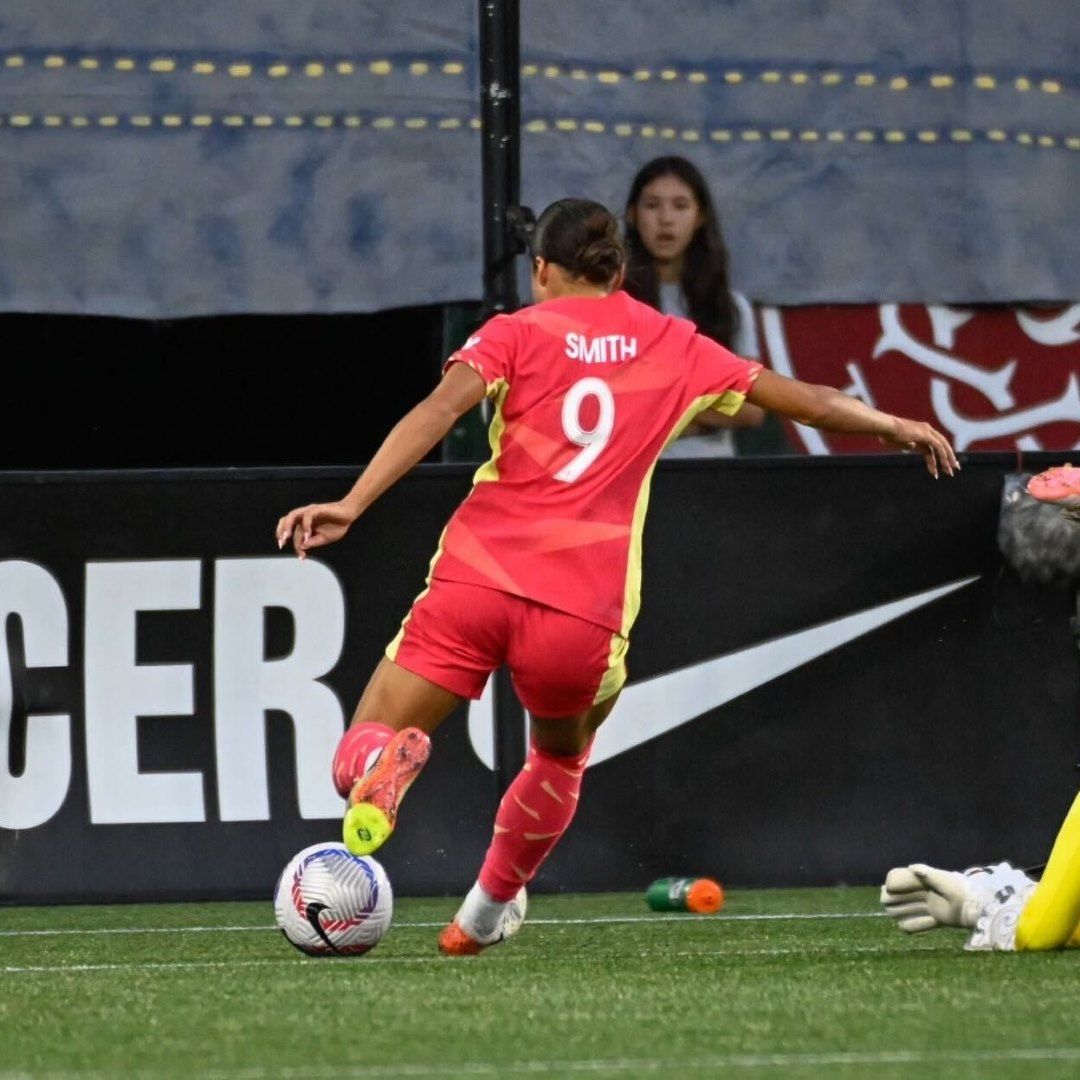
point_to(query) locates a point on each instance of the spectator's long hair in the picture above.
(704, 281)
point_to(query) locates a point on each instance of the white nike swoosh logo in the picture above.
(655, 706)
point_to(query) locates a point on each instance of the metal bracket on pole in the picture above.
(500, 132)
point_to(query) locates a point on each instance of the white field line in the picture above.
(599, 921)
(181, 965)
(556, 1067)
(329, 963)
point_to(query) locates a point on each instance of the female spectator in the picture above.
(677, 262)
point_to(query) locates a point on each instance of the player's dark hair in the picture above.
(704, 280)
(582, 237)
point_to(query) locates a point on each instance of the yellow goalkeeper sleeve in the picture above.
(1051, 918)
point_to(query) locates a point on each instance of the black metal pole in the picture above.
(500, 131)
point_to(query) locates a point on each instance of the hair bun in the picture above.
(600, 260)
(582, 237)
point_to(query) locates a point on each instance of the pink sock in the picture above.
(535, 811)
(355, 753)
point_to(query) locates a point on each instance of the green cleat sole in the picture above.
(365, 829)
(375, 797)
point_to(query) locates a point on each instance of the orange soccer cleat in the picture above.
(456, 941)
(1059, 485)
(376, 796)
(453, 941)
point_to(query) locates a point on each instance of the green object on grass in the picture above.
(696, 894)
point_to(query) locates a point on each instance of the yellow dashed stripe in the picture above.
(536, 126)
(772, 76)
(240, 67)
(888, 136)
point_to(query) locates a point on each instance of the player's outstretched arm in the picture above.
(824, 407)
(409, 441)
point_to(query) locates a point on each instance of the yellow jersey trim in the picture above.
(632, 591)
(728, 403)
(489, 471)
(392, 648)
(615, 675)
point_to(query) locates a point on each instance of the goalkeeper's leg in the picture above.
(1051, 917)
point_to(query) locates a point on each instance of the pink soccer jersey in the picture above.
(587, 392)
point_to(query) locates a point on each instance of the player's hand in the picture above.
(922, 438)
(314, 526)
(921, 898)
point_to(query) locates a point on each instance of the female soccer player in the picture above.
(677, 262)
(540, 566)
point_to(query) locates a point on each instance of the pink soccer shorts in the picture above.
(456, 634)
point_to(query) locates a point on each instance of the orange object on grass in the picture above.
(705, 897)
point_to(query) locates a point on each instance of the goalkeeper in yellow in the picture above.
(1002, 906)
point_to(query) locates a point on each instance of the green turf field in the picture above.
(795, 983)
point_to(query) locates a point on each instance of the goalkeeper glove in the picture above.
(921, 897)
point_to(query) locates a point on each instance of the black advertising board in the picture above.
(833, 672)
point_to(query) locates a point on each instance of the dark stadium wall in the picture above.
(94, 392)
(833, 672)
(98, 392)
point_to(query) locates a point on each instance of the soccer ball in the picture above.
(329, 902)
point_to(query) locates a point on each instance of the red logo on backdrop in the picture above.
(997, 378)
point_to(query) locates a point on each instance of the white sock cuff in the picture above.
(479, 915)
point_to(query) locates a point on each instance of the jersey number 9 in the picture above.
(592, 440)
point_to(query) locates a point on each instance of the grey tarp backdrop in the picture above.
(165, 160)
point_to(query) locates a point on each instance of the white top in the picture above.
(721, 442)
